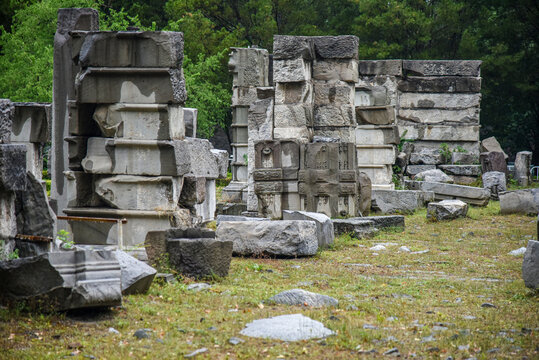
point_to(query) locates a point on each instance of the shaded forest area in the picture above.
(502, 33)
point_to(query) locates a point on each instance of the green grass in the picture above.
(467, 265)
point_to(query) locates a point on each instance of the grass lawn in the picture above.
(427, 305)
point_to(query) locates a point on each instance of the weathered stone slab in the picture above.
(343, 133)
(519, 202)
(491, 144)
(190, 117)
(141, 121)
(439, 101)
(34, 215)
(336, 47)
(303, 298)
(64, 280)
(294, 93)
(334, 115)
(77, 147)
(276, 238)
(302, 133)
(206, 209)
(133, 233)
(376, 154)
(464, 158)
(461, 170)
(530, 265)
(427, 157)
(7, 113)
(243, 96)
(12, 167)
(335, 70)
(442, 67)
(250, 67)
(400, 201)
(378, 174)
(468, 194)
(200, 256)
(292, 47)
(365, 194)
(437, 116)
(446, 210)
(291, 70)
(356, 227)
(376, 115)
(495, 181)
(493, 161)
(334, 93)
(149, 157)
(449, 84)
(221, 156)
(523, 162)
(8, 220)
(377, 135)
(395, 222)
(193, 191)
(131, 85)
(223, 218)
(137, 276)
(416, 169)
(161, 49)
(31, 123)
(471, 147)
(380, 67)
(129, 192)
(324, 226)
(432, 132)
(294, 327)
(292, 115)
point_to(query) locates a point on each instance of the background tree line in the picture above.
(502, 33)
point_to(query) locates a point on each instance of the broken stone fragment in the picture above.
(524, 201)
(294, 327)
(292, 70)
(468, 194)
(250, 67)
(12, 167)
(324, 226)
(495, 182)
(446, 210)
(137, 276)
(139, 192)
(435, 175)
(302, 297)
(7, 112)
(530, 265)
(141, 121)
(63, 280)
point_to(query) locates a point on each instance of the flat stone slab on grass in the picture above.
(447, 210)
(468, 194)
(277, 238)
(302, 297)
(530, 265)
(358, 227)
(294, 327)
(519, 202)
(137, 276)
(387, 221)
(404, 201)
(324, 226)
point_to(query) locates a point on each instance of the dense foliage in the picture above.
(502, 33)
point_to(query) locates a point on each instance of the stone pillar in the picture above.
(523, 162)
(250, 69)
(377, 135)
(66, 45)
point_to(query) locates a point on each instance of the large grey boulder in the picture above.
(197, 253)
(277, 238)
(302, 297)
(34, 215)
(63, 280)
(523, 161)
(530, 265)
(520, 202)
(446, 210)
(494, 181)
(402, 201)
(294, 327)
(137, 276)
(324, 226)
(468, 194)
(434, 175)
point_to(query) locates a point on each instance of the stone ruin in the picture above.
(294, 108)
(121, 145)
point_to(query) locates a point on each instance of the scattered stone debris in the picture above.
(196, 287)
(302, 297)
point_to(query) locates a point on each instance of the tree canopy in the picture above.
(502, 33)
